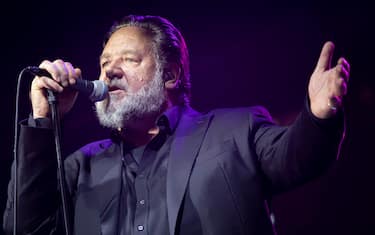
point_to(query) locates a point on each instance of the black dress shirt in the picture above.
(143, 193)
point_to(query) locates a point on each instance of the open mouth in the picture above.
(117, 91)
(117, 87)
(114, 88)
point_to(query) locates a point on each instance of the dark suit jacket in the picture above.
(224, 163)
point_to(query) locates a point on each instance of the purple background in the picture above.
(241, 54)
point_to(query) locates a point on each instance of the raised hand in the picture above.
(328, 85)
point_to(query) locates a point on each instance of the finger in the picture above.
(341, 87)
(52, 69)
(344, 89)
(47, 83)
(325, 58)
(342, 61)
(78, 73)
(338, 88)
(334, 103)
(63, 72)
(342, 72)
(71, 72)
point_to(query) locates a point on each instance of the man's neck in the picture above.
(141, 131)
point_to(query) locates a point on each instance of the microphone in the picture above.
(96, 90)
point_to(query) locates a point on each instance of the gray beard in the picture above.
(147, 101)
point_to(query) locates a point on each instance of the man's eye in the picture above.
(105, 63)
(132, 60)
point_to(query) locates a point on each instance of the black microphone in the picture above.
(96, 90)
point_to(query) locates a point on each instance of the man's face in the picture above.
(135, 83)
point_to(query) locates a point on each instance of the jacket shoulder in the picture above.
(250, 113)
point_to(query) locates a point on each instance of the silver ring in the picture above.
(332, 107)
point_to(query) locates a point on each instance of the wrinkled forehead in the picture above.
(128, 38)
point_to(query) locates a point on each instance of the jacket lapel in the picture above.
(185, 147)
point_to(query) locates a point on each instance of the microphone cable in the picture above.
(55, 120)
(15, 153)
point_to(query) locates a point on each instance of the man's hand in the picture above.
(63, 75)
(328, 85)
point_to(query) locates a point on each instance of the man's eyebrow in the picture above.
(104, 56)
(123, 52)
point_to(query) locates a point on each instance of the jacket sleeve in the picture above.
(38, 194)
(290, 156)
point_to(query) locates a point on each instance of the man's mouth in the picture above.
(116, 85)
(114, 88)
(116, 91)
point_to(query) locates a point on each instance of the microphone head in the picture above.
(99, 92)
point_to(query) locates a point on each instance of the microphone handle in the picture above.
(80, 85)
(36, 71)
(96, 91)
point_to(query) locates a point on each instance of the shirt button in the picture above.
(142, 202)
(140, 228)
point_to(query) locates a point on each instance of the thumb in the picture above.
(325, 58)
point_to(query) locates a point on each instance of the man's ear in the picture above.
(172, 77)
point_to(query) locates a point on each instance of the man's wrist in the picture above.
(335, 121)
(40, 122)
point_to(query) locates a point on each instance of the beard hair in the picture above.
(147, 101)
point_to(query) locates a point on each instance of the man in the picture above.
(169, 169)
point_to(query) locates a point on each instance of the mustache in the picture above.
(116, 84)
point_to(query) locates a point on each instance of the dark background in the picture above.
(242, 53)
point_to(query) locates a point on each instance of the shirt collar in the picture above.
(168, 121)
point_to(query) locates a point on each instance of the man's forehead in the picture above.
(130, 34)
(127, 40)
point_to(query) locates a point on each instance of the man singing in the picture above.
(169, 169)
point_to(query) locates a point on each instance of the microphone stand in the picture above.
(60, 164)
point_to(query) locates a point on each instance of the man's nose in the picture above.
(114, 71)
(114, 74)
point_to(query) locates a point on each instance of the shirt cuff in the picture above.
(39, 122)
(334, 122)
